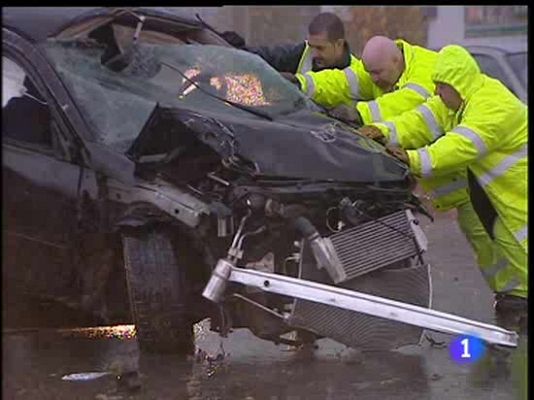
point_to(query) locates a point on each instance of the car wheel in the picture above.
(156, 289)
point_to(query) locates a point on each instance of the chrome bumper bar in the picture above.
(351, 300)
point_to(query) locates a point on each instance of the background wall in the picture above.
(433, 26)
(505, 26)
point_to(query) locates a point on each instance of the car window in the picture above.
(118, 103)
(25, 114)
(518, 62)
(490, 66)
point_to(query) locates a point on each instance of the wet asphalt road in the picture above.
(248, 368)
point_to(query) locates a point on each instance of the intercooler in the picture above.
(381, 258)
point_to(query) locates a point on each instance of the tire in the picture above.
(156, 290)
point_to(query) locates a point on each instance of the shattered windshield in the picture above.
(198, 77)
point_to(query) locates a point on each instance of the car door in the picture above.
(41, 181)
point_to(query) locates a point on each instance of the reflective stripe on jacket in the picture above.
(306, 60)
(333, 87)
(414, 86)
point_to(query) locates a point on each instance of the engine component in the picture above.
(362, 331)
(372, 245)
(322, 248)
(216, 286)
(357, 258)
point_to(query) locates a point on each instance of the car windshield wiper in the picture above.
(237, 105)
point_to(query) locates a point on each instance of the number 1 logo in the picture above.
(466, 349)
(465, 344)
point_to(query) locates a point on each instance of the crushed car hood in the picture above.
(303, 145)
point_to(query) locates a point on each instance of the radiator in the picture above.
(378, 260)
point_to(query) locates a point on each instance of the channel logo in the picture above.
(467, 349)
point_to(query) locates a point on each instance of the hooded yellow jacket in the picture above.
(420, 127)
(488, 135)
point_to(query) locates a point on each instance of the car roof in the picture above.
(39, 23)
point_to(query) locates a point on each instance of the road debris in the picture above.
(84, 376)
(435, 343)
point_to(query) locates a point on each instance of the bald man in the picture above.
(384, 61)
(395, 77)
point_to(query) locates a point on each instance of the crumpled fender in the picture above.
(141, 215)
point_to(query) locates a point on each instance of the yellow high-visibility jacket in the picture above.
(422, 126)
(306, 60)
(488, 135)
(353, 86)
(308, 78)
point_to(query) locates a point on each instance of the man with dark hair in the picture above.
(325, 47)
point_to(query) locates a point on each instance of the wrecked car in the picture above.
(139, 151)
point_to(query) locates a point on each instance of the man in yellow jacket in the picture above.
(482, 127)
(401, 80)
(392, 77)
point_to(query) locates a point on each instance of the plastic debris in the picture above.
(84, 376)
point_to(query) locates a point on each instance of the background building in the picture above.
(503, 26)
(433, 26)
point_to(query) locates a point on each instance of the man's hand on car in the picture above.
(372, 132)
(347, 114)
(398, 152)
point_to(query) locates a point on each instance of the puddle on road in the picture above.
(242, 366)
(248, 368)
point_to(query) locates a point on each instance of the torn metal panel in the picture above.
(175, 202)
(111, 163)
